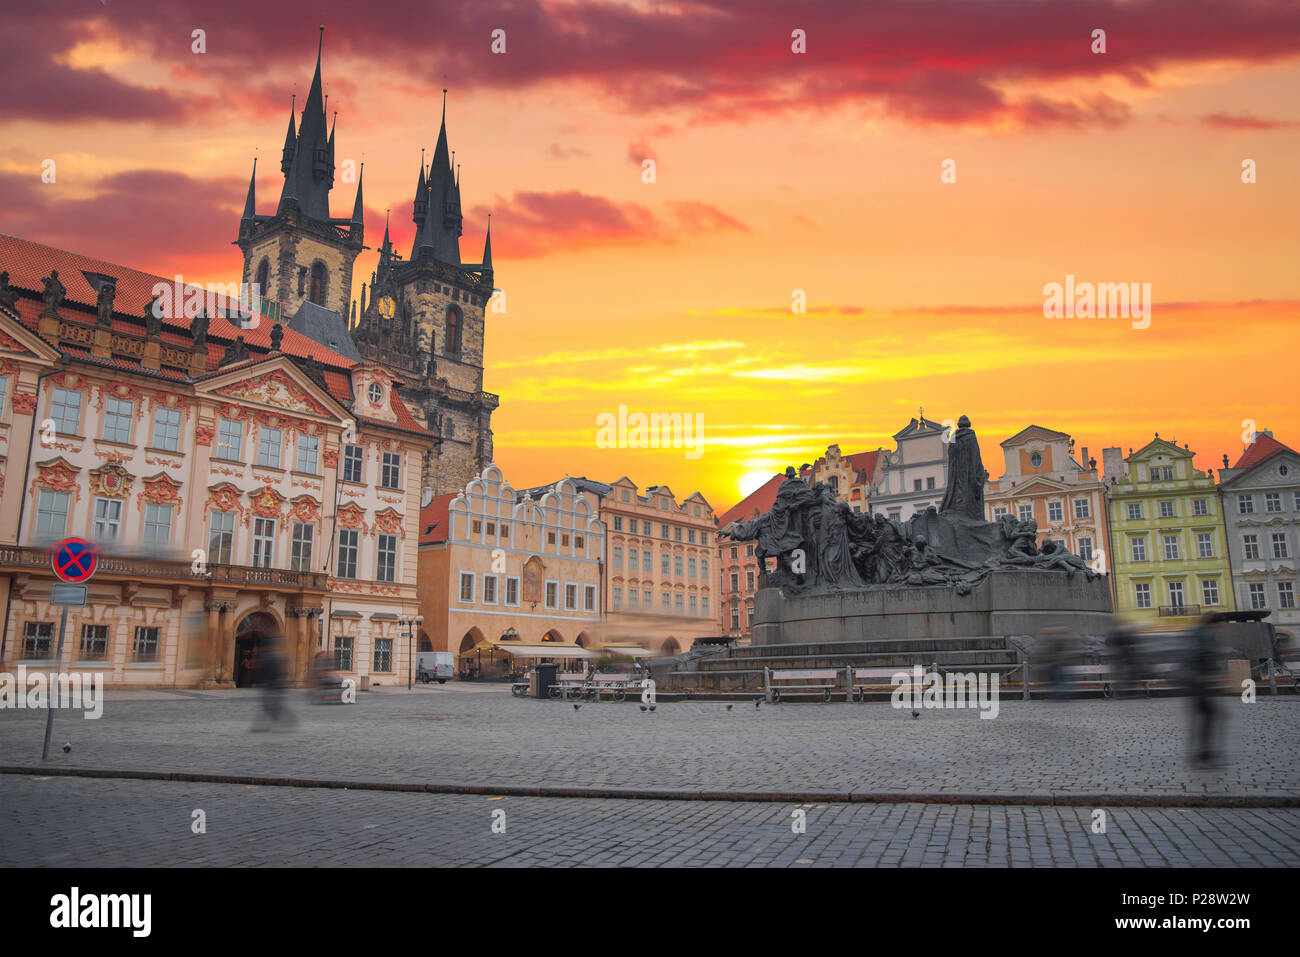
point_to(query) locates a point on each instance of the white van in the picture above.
(434, 666)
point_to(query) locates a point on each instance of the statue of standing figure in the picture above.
(966, 475)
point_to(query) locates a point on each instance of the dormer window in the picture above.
(376, 393)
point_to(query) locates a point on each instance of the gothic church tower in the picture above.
(425, 321)
(301, 254)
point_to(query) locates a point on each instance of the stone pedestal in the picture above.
(1006, 603)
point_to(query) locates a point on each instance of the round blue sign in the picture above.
(74, 559)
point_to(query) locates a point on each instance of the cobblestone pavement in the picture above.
(75, 822)
(476, 735)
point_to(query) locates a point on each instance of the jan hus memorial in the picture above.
(944, 573)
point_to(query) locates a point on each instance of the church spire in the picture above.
(358, 208)
(290, 140)
(310, 173)
(250, 202)
(487, 247)
(421, 205)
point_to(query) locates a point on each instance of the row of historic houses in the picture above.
(238, 481)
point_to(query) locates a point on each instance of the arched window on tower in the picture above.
(319, 283)
(264, 277)
(452, 339)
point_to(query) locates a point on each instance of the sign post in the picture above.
(74, 560)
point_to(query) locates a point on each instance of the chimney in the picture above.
(1084, 460)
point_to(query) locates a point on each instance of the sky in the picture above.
(779, 176)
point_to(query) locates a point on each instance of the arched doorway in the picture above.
(670, 646)
(426, 644)
(251, 636)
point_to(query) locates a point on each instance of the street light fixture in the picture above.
(410, 624)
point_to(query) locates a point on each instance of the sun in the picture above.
(754, 480)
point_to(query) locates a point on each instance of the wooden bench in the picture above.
(825, 676)
(878, 679)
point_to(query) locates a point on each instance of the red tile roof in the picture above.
(28, 263)
(433, 520)
(761, 498)
(865, 462)
(1263, 447)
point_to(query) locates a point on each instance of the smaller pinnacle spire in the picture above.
(250, 202)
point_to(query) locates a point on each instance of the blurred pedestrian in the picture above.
(1202, 671)
(273, 679)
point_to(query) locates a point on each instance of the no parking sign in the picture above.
(74, 560)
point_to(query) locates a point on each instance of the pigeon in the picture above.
(915, 713)
(730, 706)
(576, 707)
(642, 707)
(652, 707)
(757, 702)
(67, 746)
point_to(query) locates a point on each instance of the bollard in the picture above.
(1024, 678)
(767, 684)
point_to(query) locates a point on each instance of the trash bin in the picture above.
(543, 679)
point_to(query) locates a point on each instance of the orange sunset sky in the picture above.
(775, 171)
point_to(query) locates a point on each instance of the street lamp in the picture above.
(410, 624)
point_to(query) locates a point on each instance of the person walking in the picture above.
(1202, 670)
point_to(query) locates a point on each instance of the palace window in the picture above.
(1055, 511)
(304, 537)
(1257, 597)
(735, 581)
(1026, 512)
(618, 523)
(617, 598)
(749, 581)
(1085, 549)
(690, 568)
(117, 420)
(38, 639)
(617, 560)
(308, 454)
(571, 597)
(1200, 507)
(647, 557)
(390, 475)
(693, 609)
(1204, 545)
(230, 435)
(489, 589)
(690, 536)
(1081, 509)
(108, 519)
(1272, 501)
(704, 605)
(1166, 509)
(1250, 546)
(157, 524)
(677, 565)
(145, 645)
(552, 594)
(467, 586)
(1285, 595)
(512, 591)
(353, 456)
(268, 447)
(1245, 504)
(167, 429)
(678, 605)
(589, 597)
(94, 642)
(1176, 595)
(65, 410)
(704, 568)
(221, 538)
(348, 549)
(263, 542)
(1139, 546)
(1134, 510)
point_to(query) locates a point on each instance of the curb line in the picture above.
(1037, 798)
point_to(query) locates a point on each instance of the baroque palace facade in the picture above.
(237, 478)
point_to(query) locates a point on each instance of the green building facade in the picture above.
(1167, 542)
